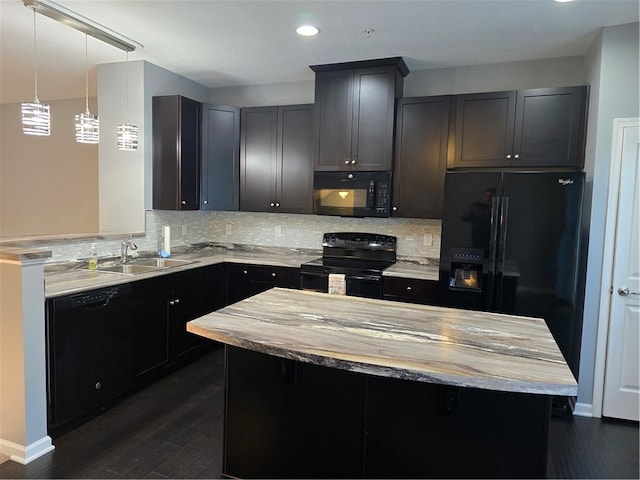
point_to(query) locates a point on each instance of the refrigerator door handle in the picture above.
(502, 238)
(493, 240)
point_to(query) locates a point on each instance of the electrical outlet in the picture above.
(278, 230)
(428, 240)
(227, 229)
(184, 230)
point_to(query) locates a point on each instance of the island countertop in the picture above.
(394, 339)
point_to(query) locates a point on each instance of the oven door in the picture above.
(368, 286)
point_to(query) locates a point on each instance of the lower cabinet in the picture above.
(244, 280)
(410, 290)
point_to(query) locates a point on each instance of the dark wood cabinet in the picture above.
(150, 328)
(422, 137)
(176, 153)
(534, 128)
(355, 114)
(220, 167)
(276, 166)
(411, 290)
(245, 280)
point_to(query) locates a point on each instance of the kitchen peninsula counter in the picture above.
(320, 385)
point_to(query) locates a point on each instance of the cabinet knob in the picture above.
(395, 209)
(204, 201)
(272, 204)
(353, 162)
(171, 302)
(245, 272)
(273, 274)
(183, 202)
(98, 385)
(408, 289)
(516, 156)
(177, 300)
(277, 204)
(509, 156)
(347, 162)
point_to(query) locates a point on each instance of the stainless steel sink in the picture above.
(129, 268)
(162, 262)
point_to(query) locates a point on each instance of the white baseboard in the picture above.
(583, 410)
(25, 454)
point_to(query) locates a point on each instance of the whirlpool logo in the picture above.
(565, 181)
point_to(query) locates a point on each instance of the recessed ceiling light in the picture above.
(563, 1)
(307, 30)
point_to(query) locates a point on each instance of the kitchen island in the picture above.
(319, 385)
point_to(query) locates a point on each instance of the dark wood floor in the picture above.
(173, 429)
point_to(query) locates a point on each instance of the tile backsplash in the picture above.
(417, 238)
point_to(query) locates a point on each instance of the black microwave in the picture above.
(352, 194)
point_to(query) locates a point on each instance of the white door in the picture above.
(622, 371)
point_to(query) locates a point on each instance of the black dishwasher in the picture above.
(89, 352)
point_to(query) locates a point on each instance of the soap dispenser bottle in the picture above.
(93, 257)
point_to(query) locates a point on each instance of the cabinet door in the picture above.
(333, 120)
(295, 165)
(421, 157)
(183, 306)
(549, 127)
(484, 129)
(214, 292)
(150, 337)
(237, 282)
(176, 153)
(220, 167)
(373, 119)
(258, 166)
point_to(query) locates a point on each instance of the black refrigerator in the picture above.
(511, 244)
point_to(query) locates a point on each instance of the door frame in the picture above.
(619, 126)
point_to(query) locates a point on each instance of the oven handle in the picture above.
(363, 277)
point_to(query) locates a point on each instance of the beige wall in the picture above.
(48, 185)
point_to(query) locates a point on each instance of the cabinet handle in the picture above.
(177, 301)
(395, 209)
(272, 204)
(273, 274)
(204, 201)
(245, 272)
(516, 156)
(347, 162)
(184, 202)
(277, 204)
(98, 385)
(408, 289)
(353, 162)
(509, 156)
(171, 302)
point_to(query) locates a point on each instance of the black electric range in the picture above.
(355, 260)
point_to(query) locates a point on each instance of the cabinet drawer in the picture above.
(410, 290)
(276, 276)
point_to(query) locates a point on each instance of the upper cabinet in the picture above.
(355, 114)
(535, 128)
(421, 156)
(176, 153)
(276, 164)
(220, 168)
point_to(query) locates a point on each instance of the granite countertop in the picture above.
(73, 277)
(400, 340)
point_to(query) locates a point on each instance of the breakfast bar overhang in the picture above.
(328, 386)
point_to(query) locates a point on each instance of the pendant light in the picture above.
(127, 134)
(36, 116)
(87, 125)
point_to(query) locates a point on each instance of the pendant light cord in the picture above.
(86, 74)
(35, 57)
(126, 66)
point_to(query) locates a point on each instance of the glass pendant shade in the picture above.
(36, 119)
(127, 136)
(87, 128)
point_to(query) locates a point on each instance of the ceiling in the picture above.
(242, 42)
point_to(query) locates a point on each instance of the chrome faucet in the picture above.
(124, 249)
